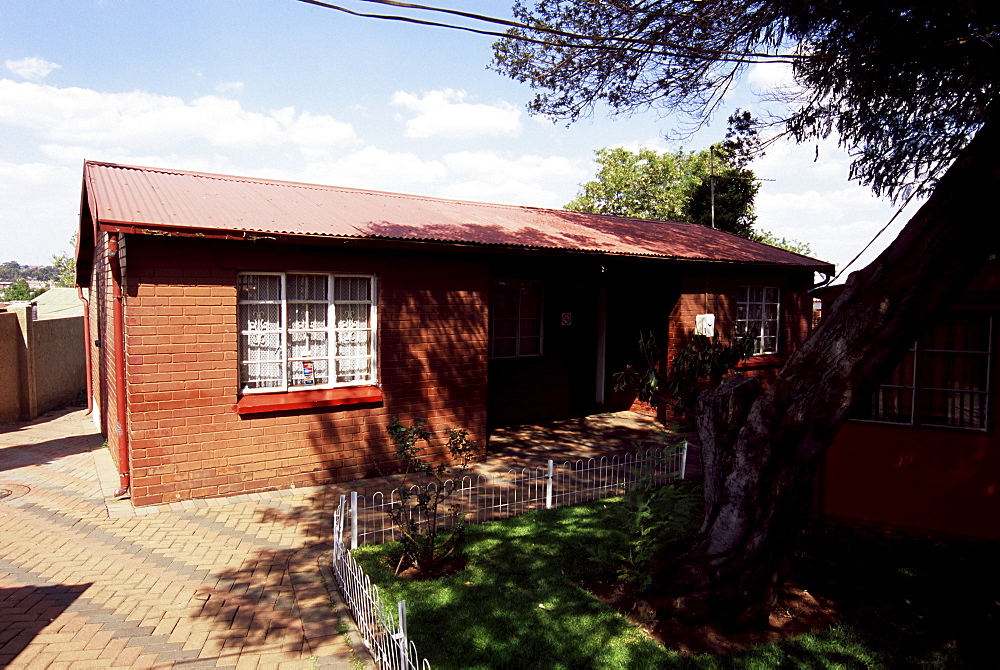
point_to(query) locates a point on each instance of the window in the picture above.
(757, 314)
(943, 380)
(515, 318)
(302, 331)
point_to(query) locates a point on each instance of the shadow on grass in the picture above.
(905, 602)
(921, 601)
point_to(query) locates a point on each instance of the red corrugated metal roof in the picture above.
(189, 202)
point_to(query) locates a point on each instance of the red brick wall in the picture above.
(102, 345)
(714, 291)
(187, 439)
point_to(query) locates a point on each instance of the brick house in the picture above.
(251, 334)
(922, 452)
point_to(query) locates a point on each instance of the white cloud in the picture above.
(771, 76)
(33, 69)
(445, 114)
(540, 181)
(375, 168)
(229, 87)
(41, 204)
(146, 121)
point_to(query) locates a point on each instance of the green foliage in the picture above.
(701, 364)
(672, 187)
(647, 383)
(19, 290)
(903, 83)
(432, 531)
(698, 365)
(785, 243)
(521, 601)
(649, 523)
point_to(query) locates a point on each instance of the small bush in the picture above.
(432, 532)
(648, 523)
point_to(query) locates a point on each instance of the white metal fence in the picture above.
(384, 635)
(481, 498)
(477, 498)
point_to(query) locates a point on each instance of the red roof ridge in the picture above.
(165, 199)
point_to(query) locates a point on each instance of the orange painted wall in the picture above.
(937, 480)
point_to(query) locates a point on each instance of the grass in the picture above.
(518, 603)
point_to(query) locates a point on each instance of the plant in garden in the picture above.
(648, 522)
(432, 531)
(700, 364)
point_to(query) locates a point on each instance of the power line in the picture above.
(876, 236)
(577, 40)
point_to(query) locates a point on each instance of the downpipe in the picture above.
(118, 319)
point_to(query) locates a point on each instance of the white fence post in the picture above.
(354, 519)
(404, 646)
(548, 486)
(684, 458)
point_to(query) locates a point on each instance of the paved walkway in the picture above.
(87, 581)
(236, 582)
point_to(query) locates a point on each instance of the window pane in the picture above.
(261, 375)
(529, 346)
(353, 369)
(893, 405)
(259, 317)
(309, 344)
(504, 347)
(307, 316)
(955, 409)
(352, 288)
(353, 343)
(306, 287)
(260, 347)
(308, 372)
(352, 316)
(259, 287)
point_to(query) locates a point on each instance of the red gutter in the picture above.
(86, 348)
(118, 317)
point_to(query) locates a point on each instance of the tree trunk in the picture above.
(762, 449)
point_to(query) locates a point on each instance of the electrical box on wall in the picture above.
(704, 324)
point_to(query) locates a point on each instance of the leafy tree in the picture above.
(20, 290)
(64, 267)
(670, 187)
(783, 242)
(10, 270)
(910, 87)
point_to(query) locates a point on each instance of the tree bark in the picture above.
(762, 449)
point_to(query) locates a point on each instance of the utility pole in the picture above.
(711, 179)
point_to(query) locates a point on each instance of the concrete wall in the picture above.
(58, 350)
(41, 364)
(11, 345)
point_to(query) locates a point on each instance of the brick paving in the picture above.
(86, 582)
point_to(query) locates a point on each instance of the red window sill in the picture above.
(257, 403)
(762, 361)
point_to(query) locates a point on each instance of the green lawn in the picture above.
(518, 603)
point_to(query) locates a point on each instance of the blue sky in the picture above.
(282, 89)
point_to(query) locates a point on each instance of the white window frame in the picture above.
(330, 330)
(521, 318)
(959, 410)
(744, 324)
